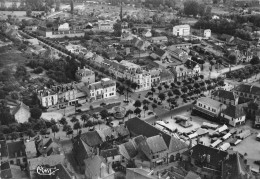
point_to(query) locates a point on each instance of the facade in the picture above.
(181, 72)
(47, 97)
(235, 115)
(106, 88)
(209, 106)
(155, 76)
(247, 91)
(85, 75)
(177, 53)
(207, 33)
(181, 30)
(105, 26)
(159, 40)
(45, 32)
(182, 45)
(21, 113)
(226, 97)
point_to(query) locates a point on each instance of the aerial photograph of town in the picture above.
(129, 89)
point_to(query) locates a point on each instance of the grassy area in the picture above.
(10, 59)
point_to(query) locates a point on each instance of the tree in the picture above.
(137, 104)
(145, 102)
(137, 111)
(201, 77)
(129, 112)
(74, 119)
(30, 133)
(104, 114)
(63, 121)
(160, 88)
(134, 85)
(191, 7)
(170, 94)
(153, 90)
(77, 126)
(55, 129)
(36, 113)
(161, 96)
(85, 117)
(14, 135)
(145, 108)
(255, 60)
(232, 59)
(154, 106)
(184, 89)
(117, 29)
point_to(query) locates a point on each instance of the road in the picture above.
(170, 113)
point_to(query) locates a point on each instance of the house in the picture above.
(174, 146)
(106, 26)
(85, 146)
(159, 40)
(97, 168)
(52, 160)
(147, 33)
(181, 30)
(166, 76)
(139, 173)
(64, 27)
(177, 53)
(226, 97)
(124, 25)
(207, 160)
(181, 72)
(155, 76)
(5, 170)
(47, 147)
(140, 44)
(257, 119)
(247, 91)
(209, 107)
(85, 76)
(16, 153)
(235, 115)
(194, 66)
(111, 155)
(21, 113)
(30, 149)
(47, 97)
(106, 88)
(207, 33)
(128, 150)
(31, 28)
(227, 38)
(182, 45)
(160, 55)
(235, 166)
(64, 173)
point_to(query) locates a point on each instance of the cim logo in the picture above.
(42, 170)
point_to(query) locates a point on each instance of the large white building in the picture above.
(181, 30)
(47, 97)
(106, 88)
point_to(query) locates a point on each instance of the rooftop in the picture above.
(225, 94)
(234, 111)
(91, 138)
(246, 88)
(210, 102)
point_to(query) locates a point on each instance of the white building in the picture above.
(234, 114)
(181, 30)
(47, 97)
(21, 113)
(64, 27)
(106, 88)
(207, 33)
(105, 26)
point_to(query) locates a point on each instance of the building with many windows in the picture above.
(181, 30)
(106, 88)
(85, 75)
(47, 97)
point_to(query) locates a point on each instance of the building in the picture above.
(47, 97)
(160, 55)
(181, 72)
(181, 30)
(97, 168)
(111, 156)
(207, 33)
(30, 149)
(106, 26)
(235, 115)
(21, 113)
(64, 27)
(177, 53)
(155, 76)
(182, 45)
(248, 91)
(194, 66)
(226, 97)
(209, 107)
(147, 33)
(85, 76)
(257, 119)
(169, 154)
(104, 89)
(159, 40)
(16, 153)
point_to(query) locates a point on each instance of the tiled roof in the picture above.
(109, 152)
(235, 167)
(140, 127)
(200, 152)
(121, 130)
(159, 38)
(130, 148)
(234, 111)
(47, 160)
(225, 94)
(63, 172)
(192, 175)
(91, 138)
(246, 88)
(159, 52)
(156, 144)
(210, 102)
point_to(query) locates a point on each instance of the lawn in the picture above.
(11, 59)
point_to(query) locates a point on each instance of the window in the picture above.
(204, 106)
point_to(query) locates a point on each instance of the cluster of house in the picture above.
(232, 107)
(21, 159)
(69, 94)
(149, 153)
